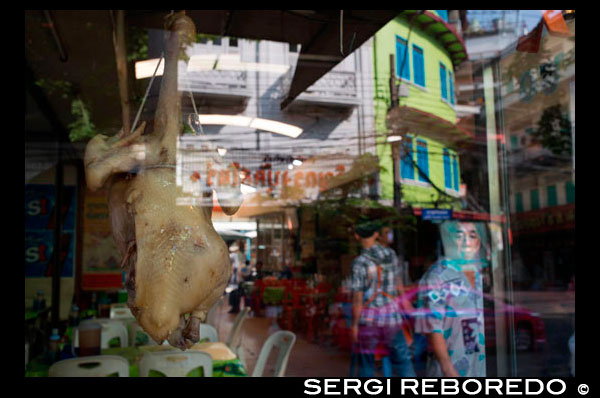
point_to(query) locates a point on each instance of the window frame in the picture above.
(407, 169)
(418, 48)
(407, 64)
(444, 83)
(420, 158)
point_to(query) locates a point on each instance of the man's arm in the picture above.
(357, 303)
(438, 346)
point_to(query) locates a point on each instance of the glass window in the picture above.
(570, 191)
(451, 86)
(534, 199)
(422, 160)
(419, 65)
(406, 163)
(518, 202)
(455, 171)
(443, 82)
(443, 14)
(447, 170)
(203, 155)
(514, 141)
(402, 61)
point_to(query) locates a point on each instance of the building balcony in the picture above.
(216, 81)
(337, 88)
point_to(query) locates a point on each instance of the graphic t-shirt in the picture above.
(449, 304)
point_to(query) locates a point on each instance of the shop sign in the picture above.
(100, 268)
(39, 230)
(436, 214)
(549, 219)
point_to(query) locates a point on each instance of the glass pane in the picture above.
(427, 154)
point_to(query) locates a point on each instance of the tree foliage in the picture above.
(554, 131)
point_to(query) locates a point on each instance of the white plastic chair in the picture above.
(175, 363)
(211, 317)
(282, 339)
(134, 329)
(121, 313)
(234, 337)
(111, 328)
(208, 331)
(94, 366)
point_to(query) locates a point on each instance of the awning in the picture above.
(316, 31)
(405, 119)
(442, 31)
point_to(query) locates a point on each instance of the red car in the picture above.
(530, 331)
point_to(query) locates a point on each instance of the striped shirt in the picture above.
(379, 305)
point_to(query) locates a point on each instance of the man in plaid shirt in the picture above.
(376, 317)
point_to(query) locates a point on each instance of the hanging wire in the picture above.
(196, 121)
(139, 112)
(342, 32)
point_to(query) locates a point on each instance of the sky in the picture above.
(485, 17)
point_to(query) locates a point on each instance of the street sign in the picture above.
(436, 214)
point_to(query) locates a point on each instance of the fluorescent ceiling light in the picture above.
(394, 138)
(144, 69)
(207, 62)
(255, 123)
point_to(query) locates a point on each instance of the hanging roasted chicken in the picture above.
(177, 266)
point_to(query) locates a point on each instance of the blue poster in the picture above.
(39, 207)
(437, 214)
(40, 220)
(39, 254)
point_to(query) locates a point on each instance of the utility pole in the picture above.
(398, 241)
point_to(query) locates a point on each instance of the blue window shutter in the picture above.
(402, 66)
(447, 170)
(418, 66)
(451, 85)
(443, 81)
(518, 202)
(422, 160)
(570, 188)
(552, 197)
(407, 169)
(514, 141)
(534, 196)
(455, 169)
(443, 14)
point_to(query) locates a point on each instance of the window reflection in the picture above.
(452, 132)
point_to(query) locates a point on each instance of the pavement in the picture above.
(309, 359)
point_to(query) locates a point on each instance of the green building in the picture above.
(424, 50)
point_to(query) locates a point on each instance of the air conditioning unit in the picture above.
(403, 90)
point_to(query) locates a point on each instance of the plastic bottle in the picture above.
(53, 349)
(74, 316)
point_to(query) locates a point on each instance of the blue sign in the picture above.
(436, 214)
(39, 230)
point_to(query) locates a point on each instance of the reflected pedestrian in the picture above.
(451, 293)
(376, 317)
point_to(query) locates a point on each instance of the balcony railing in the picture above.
(227, 82)
(335, 87)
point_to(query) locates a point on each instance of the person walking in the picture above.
(376, 317)
(451, 295)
